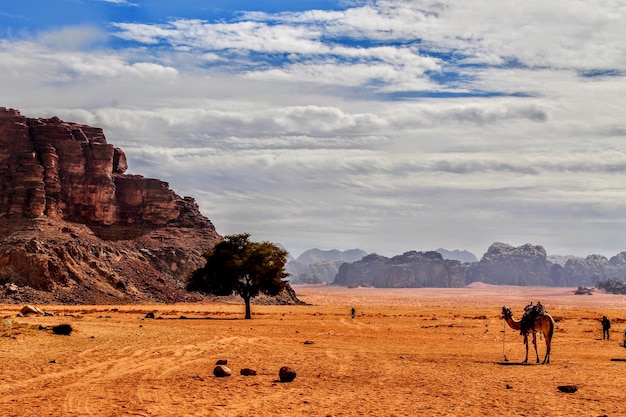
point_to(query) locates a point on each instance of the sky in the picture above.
(387, 126)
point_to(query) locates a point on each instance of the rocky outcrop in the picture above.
(68, 171)
(508, 265)
(317, 266)
(410, 270)
(75, 228)
(595, 268)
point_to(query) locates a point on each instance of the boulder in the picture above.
(28, 309)
(286, 374)
(221, 371)
(568, 388)
(247, 372)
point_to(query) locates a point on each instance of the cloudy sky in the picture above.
(388, 126)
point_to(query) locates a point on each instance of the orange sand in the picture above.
(411, 352)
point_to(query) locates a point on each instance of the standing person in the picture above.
(353, 312)
(606, 325)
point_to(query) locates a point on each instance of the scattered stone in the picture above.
(568, 388)
(26, 310)
(308, 342)
(11, 288)
(286, 374)
(247, 372)
(150, 315)
(508, 386)
(222, 362)
(221, 371)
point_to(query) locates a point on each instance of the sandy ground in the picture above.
(412, 352)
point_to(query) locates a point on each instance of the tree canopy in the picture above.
(237, 265)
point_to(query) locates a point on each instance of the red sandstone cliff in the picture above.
(75, 228)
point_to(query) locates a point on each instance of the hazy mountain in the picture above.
(457, 255)
(409, 270)
(317, 266)
(312, 256)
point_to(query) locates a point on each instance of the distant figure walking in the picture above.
(353, 312)
(606, 325)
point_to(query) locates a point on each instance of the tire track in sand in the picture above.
(152, 382)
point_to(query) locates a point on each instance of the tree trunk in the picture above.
(247, 301)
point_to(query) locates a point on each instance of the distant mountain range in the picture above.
(317, 266)
(457, 255)
(503, 264)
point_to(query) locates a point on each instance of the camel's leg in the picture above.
(535, 344)
(526, 344)
(548, 337)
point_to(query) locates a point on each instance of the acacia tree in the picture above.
(238, 266)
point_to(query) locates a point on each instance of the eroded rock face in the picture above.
(409, 270)
(63, 170)
(595, 268)
(75, 228)
(508, 265)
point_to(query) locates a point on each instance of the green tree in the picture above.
(238, 266)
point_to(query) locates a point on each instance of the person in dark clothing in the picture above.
(353, 312)
(606, 325)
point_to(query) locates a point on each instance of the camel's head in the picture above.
(506, 312)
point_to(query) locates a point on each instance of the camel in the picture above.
(544, 323)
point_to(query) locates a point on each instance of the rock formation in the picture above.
(74, 228)
(508, 265)
(68, 171)
(503, 264)
(410, 270)
(595, 268)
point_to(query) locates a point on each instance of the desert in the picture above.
(407, 352)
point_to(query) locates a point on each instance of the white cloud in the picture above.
(72, 37)
(301, 128)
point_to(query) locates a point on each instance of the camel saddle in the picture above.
(531, 313)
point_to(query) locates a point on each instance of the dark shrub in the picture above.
(63, 329)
